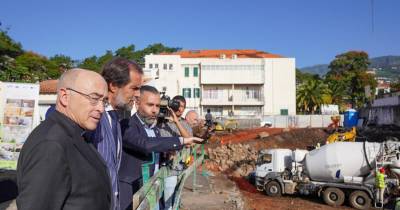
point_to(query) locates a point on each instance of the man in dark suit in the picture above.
(57, 168)
(124, 79)
(140, 139)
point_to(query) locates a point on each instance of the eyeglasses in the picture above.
(94, 100)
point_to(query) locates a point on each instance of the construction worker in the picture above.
(380, 185)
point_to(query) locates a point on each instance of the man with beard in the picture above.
(140, 140)
(124, 79)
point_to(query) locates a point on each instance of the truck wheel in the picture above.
(333, 196)
(360, 200)
(273, 189)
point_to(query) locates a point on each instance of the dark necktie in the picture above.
(114, 124)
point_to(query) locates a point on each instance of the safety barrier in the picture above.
(153, 187)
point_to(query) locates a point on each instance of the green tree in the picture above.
(9, 49)
(32, 67)
(8, 46)
(95, 63)
(104, 59)
(311, 95)
(90, 63)
(155, 49)
(126, 52)
(63, 62)
(338, 92)
(302, 77)
(350, 68)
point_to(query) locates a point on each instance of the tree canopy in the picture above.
(346, 83)
(350, 69)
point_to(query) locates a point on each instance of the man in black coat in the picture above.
(140, 139)
(57, 168)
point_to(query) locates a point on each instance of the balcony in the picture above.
(242, 74)
(239, 97)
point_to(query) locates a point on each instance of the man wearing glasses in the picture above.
(123, 79)
(57, 168)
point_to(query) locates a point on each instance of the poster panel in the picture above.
(18, 117)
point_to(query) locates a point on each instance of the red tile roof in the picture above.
(227, 53)
(383, 85)
(48, 87)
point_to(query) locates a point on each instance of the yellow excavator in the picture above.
(222, 124)
(342, 135)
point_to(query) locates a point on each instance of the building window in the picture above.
(170, 67)
(214, 93)
(150, 66)
(195, 71)
(186, 71)
(156, 65)
(186, 92)
(165, 66)
(249, 93)
(284, 112)
(196, 92)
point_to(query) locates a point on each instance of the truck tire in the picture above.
(333, 196)
(273, 189)
(359, 200)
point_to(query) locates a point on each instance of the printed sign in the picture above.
(18, 116)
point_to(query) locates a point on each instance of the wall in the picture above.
(385, 115)
(280, 86)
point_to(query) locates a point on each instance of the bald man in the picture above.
(57, 168)
(192, 118)
(197, 125)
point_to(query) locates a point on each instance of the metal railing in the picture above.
(153, 187)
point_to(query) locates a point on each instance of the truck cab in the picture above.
(271, 162)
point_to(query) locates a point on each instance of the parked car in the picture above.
(266, 123)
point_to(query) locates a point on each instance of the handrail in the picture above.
(152, 190)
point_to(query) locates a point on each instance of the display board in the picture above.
(19, 115)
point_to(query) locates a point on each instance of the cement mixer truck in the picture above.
(335, 172)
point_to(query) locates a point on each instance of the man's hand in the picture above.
(174, 118)
(192, 140)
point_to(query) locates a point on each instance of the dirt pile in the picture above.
(243, 135)
(239, 158)
(292, 139)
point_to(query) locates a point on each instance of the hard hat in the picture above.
(382, 170)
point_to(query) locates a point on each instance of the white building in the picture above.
(247, 82)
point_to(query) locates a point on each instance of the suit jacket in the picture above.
(137, 149)
(58, 169)
(104, 141)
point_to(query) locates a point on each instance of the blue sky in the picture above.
(312, 31)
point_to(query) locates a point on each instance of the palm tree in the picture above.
(338, 91)
(310, 95)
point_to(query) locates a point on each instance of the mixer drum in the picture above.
(332, 162)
